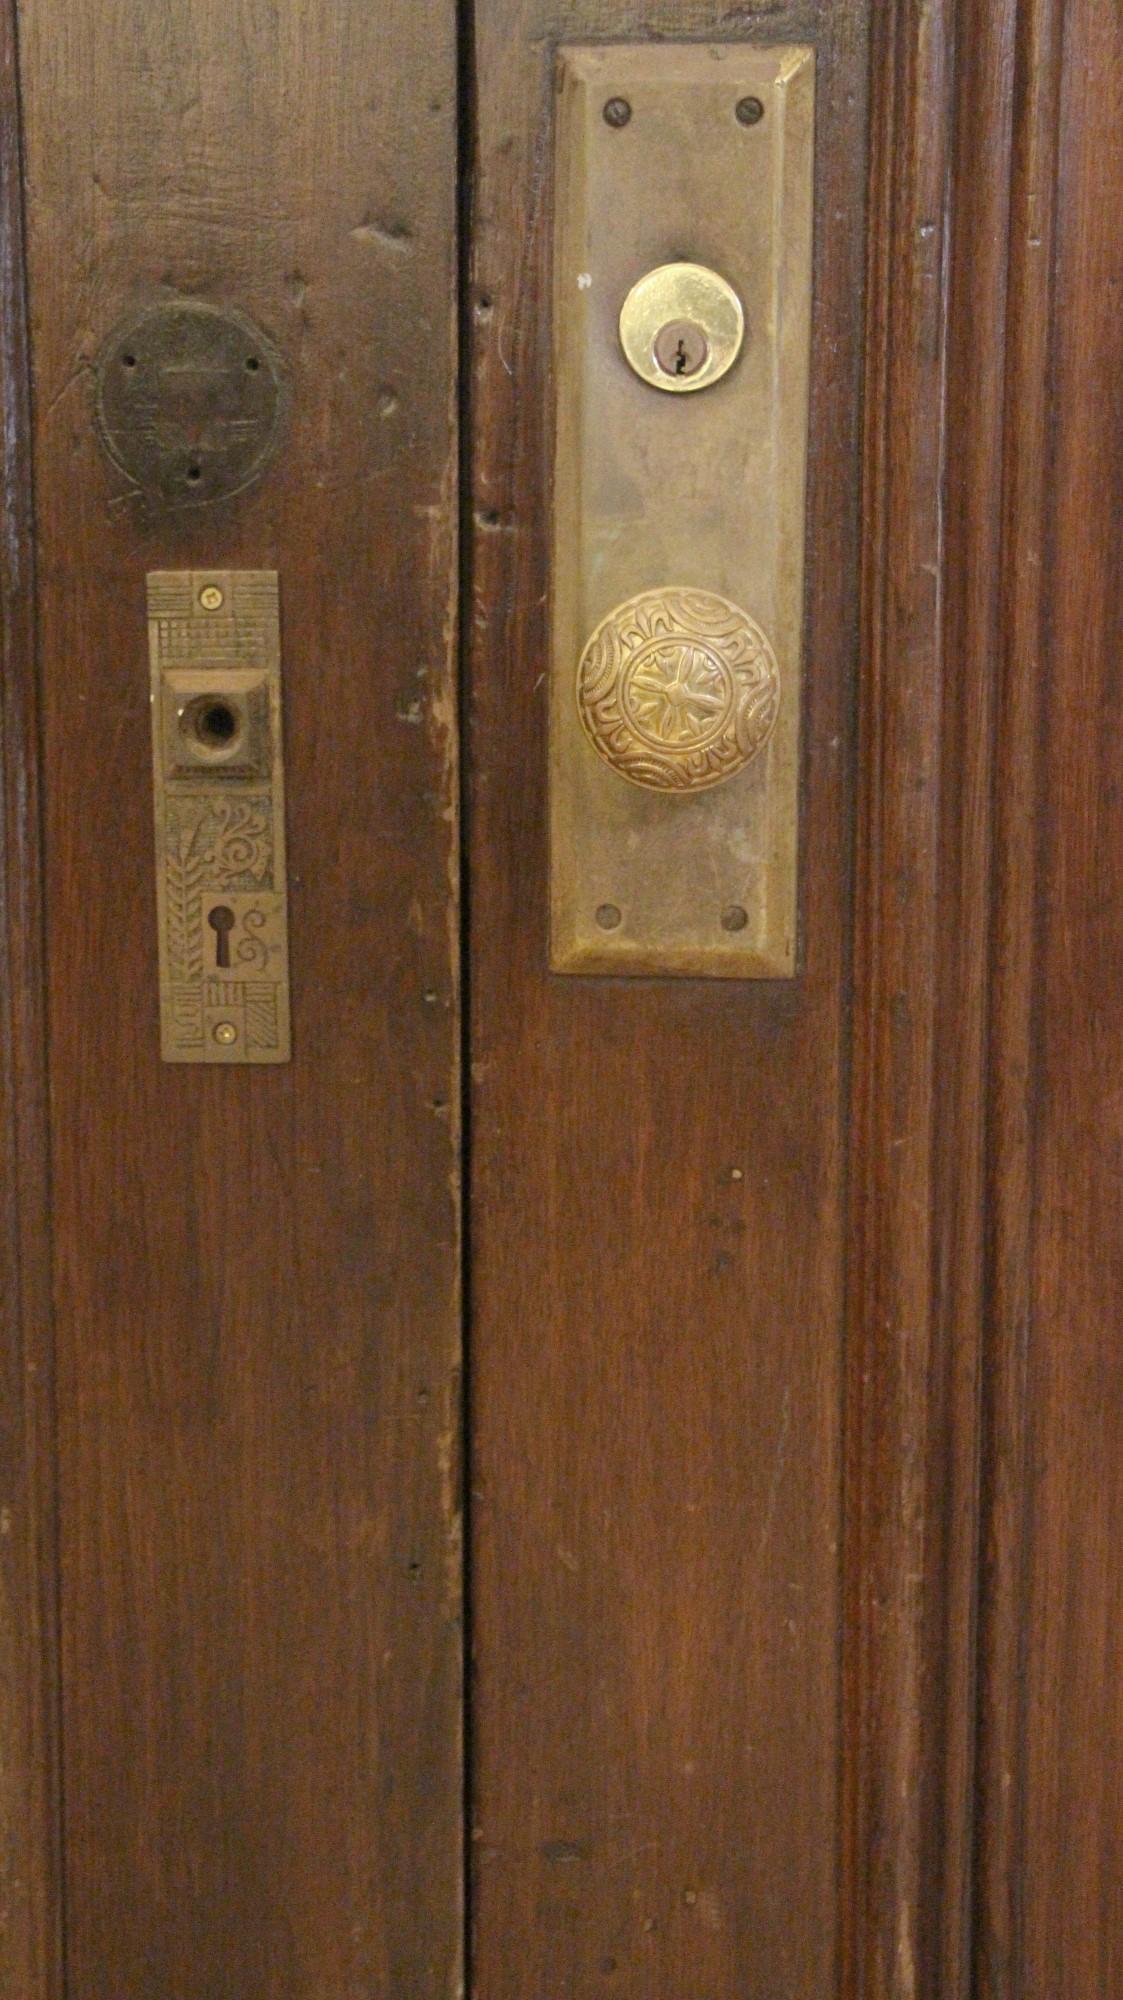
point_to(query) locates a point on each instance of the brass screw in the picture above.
(735, 918)
(226, 1033)
(750, 111)
(211, 597)
(617, 112)
(609, 917)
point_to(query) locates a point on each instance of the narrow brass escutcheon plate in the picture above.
(678, 547)
(214, 649)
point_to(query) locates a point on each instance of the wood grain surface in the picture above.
(793, 1306)
(256, 1272)
(934, 426)
(657, 1172)
(30, 1824)
(1051, 1836)
(1002, 1890)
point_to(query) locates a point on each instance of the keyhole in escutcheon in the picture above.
(221, 921)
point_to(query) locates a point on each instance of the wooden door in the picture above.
(235, 1667)
(743, 1621)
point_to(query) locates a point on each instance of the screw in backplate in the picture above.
(211, 597)
(617, 112)
(750, 111)
(226, 1033)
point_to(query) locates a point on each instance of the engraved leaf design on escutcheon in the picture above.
(678, 689)
(240, 837)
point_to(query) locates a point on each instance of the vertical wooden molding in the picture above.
(894, 1424)
(1027, 483)
(31, 1956)
(934, 414)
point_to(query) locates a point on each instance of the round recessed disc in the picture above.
(190, 398)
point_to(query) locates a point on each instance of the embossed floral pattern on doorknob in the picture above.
(678, 689)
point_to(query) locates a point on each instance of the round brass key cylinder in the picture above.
(678, 689)
(682, 327)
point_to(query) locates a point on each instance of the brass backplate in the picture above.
(215, 659)
(678, 552)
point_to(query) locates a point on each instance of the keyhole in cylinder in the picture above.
(221, 921)
(681, 348)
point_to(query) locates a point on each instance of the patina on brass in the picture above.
(214, 649)
(678, 690)
(189, 401)
(678, 551)
(681, 327)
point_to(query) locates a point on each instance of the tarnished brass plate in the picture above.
(189, 401)
(678, 548)
(215, 660)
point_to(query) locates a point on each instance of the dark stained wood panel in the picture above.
(657, 1180)
(256, 1272)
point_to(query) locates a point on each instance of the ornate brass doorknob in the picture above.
(678, 689)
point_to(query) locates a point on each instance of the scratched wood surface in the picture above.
(255, 1272)
(656, 1225)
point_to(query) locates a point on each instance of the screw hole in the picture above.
(128, 360)
(252, 363)
(194, 473)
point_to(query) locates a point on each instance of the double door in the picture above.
(589, 1465)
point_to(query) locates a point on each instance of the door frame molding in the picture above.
(31, 1938)
(942, 155)
(1008, 1390)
